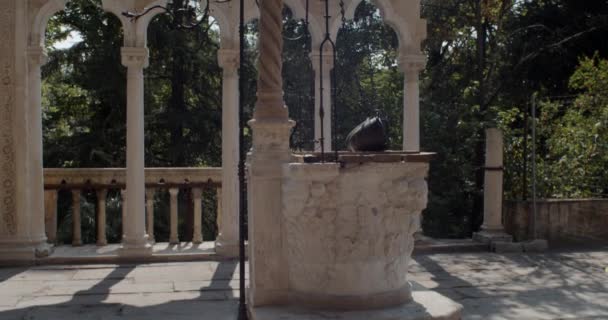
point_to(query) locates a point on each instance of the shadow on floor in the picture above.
(93, 304)
(549, 292)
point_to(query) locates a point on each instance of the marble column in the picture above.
(325, 96)
(36, 59)
(411, 65)
(135, 241)
(227, 243)
(22, 217)
(271, 128)
(492, 229)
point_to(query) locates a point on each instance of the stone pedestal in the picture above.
(492, 229)
(425, 305)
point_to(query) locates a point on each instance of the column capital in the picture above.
(412, 64)
(37, 55)
(150, 193)
(101, 194)
(197, 193)
(135, 57)
(228, 60)
(173, 192)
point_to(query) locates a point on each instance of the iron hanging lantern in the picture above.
(185, 14)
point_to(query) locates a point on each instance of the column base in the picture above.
(24, 252)
(490, 236)
(139, 248)
(227, 249)
(426, 305)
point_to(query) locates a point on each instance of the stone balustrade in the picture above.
(102, 181)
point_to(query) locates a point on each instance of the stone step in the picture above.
(110, 254)
(426, 245)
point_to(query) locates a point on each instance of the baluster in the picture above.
(76, 221)
(101, 217)
(150, 213)
(123, 196)
(219, 207)
(197, 194)
(174, 238)
(50, 214)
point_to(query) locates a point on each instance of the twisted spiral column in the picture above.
(270, 151)
(270, 83)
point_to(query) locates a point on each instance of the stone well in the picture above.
(348, 239)
(349, 232)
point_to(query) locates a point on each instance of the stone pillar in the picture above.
(150, 214)
(197, 197)
(36, 58)
(227, 243)
(326, 96)
(101, 217)
(271, 127)
(10, 232)
(411, 66)
(174, 237)
(76, 219)
(135, 241)
(492, 229)
(50, 213)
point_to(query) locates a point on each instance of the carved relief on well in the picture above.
(7, 151)
(354, 223)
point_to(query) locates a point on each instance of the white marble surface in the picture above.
(348, 232)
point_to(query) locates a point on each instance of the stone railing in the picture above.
(173, 180)
(558, 219)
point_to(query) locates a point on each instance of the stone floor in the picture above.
(161, 252)
(524, 287)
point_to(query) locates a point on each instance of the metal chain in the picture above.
(343, 12)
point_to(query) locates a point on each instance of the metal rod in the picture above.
(242, 187)
(322, 88)
(333, 102)
(524, 188)
(534, 166)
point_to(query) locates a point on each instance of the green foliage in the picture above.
(576, 136)
(486, 59)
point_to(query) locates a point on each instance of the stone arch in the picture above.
(135, 32)
(391, 16)
(227, 29)
(40, 21)
(299, 12)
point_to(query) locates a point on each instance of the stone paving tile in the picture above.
(103, 273)
(9, 301)
(119, 288)
(206, 285)
(42, 275)
(21, 288)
